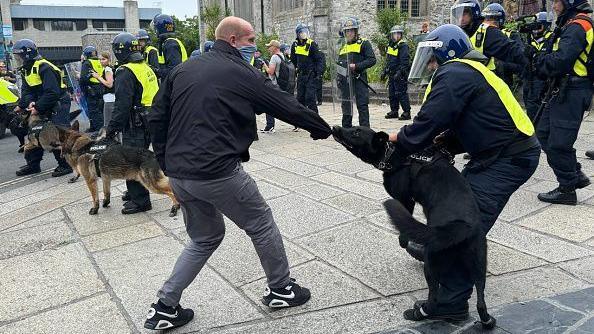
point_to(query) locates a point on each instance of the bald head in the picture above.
(236, 31)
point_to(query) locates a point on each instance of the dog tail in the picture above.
(434, 238)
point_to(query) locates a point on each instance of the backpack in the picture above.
(286, 75)
(589, 62)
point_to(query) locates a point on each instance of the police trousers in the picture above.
(137, 137)
(532, 91)
(558, 129)
(95, 107)
(398, 94)
(492, 188)
(306, 90)
(34, 156)
(204, 202)
(361, 96)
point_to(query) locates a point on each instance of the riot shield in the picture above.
(341, 76)
(73, 74)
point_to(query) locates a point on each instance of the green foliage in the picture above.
(211, 16)
(262, 40)
(374, 73)
(188, 32)
(386, 19)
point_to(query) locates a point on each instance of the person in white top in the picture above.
(107, 81)
(272, 70)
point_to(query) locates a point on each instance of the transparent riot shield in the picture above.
(341, 76)
(73, 75)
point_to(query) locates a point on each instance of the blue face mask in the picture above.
(247, 52)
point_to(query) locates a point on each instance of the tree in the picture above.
(186, 31)
(212, 16)
(386, 19)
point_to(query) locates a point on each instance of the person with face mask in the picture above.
(397, 67)
(486, 35)
(91, 87)
(171, 50)
(356, 56)
(565, 65)
(202, 124)
(151, 53)
(469, 109)
(533, 86)
(41, 90)
(307, 58)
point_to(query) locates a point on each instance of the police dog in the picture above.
(452, 237)
(117, 162)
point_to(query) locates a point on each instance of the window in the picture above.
(115, 24)
(39, 24)
(285, 5)
(98, 24)
(145, 24)
(80, 24)
(62, 25)
(20, 24)
(414, 8)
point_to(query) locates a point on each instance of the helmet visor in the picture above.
(461, 14)
(19, 61)
(424, 63)
(303, 33)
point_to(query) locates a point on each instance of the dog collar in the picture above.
(385, 164)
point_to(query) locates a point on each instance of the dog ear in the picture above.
(380, 138)
(75, 126)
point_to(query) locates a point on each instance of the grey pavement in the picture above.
(63, 271)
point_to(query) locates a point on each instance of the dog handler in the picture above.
(202, 125)
(135, 86)
(483, 119)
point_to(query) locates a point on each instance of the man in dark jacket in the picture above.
(201, 145)
(397, 67)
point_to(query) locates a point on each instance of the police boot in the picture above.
(417, 251)
(28, 170)
(391, 114)
(405, 116)
(559, 195)
(590, 154)
(61, 171)
(132, 208)
(583, 181)
(126, 196)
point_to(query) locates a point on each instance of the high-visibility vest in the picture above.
(579, 67)
(353, 47)
(303, 49)
(34, 79)
(394, 50)
(477, 41)
(6, 95)
(97, 67)
(147, 78)
(513, 107)
(182, 49)
(538, 44)
(147, 51)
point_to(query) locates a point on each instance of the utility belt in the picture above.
(521, 143)
(138, 117)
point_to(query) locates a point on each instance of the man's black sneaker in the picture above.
(583, 181)
(559, 196)
(268, 130)
(28, 170)
(126, 196)
(131, 208)
(405, 116)
(590, 154)
(391, 114)
(167, 317)
(61, 171)
(291, 295)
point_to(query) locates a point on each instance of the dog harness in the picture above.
(97, 149)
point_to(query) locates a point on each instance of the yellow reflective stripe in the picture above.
(97, 67)
(252, 61)
(579, 67)
(182, 49)
(34, 79)
(303, 49)
(427, 91)
(352, 48)
(479, 45)
(6, 96)
(148, 50)
(394, 51)
(147, 78)
(517, 114)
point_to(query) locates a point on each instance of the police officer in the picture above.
(320, 82)
(357, 55)
(135, 86)
(91, 87)
(560, 122)
(151, 53)
(171, 50)
(397, 67)
(307, 58)
(475, 110)
(207, 46)
(42, 88)
(485, 36)
(533, 87)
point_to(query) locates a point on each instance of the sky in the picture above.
(179, 8)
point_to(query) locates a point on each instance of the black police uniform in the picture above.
(505, 69)
(151, 56)
(361, 54)
(320, 83)
(125, 119)
(171, 53)
(93, 92)
(397, 67)
(307, 58)
(558, 127)
(46, 96)
(503, 158)
(533, 88)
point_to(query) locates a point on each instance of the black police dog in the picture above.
(452, 237)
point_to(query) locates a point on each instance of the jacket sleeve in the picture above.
(51, 90)
(571, 44)
(124, 88)
(368, 57)
(498, 45)
(271, 100)
(317, 58)
(172, 53)
(85, 74)
(445, 103)
(159, 118)
(404, 55)
(153, 60)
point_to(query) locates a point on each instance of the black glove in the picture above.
(315, 135)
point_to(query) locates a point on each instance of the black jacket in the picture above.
(153, 60)
(363, 60)
(172, 53)
(496, 44)
(47, 95)
(460, 100)
(312, 63)
(128, 93)
(85, 74)
(401, 62)
(203, 118)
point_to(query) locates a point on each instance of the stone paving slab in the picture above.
(269, 191)
(290, 165)
(318, 191)
(536, 317)
(354, 204)
(97, 314)
(351, 184)
(282, 178)
(582, 300)
(582, 268)
(501, 259)
(107, 219)
(573, 223)
(15, 218)
(48, 278)
(33, 239)
(520, 204)
(48, 218)
(122, 236)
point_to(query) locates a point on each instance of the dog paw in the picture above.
(489, 324)
(72, 179)
(93, 211)
(173, 211)
(106, 203)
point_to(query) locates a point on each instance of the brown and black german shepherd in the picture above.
(118, 162)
